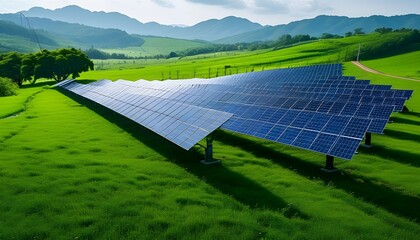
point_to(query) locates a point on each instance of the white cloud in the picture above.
(271, 7)
(164, 3)
(238, 4)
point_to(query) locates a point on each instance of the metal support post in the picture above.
(208, 158)
(368, 140)
(329, 165)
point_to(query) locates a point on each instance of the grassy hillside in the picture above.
(211, 65)
(405, 65)
(70, 169)
(157, 46)
(17, 44)
(92, 174)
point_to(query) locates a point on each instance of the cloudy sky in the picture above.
(190, 12)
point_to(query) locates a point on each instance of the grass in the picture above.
(98, 175)
(13, 105)
(157, 46)
(405, 65)
(412, 104)
(71, 169)
(213, 65)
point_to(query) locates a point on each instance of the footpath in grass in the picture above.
(70, 169)
(404, 65)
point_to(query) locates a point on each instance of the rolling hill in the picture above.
(70, 169)
(16, 38)
(326, 24)
(227, 30)
(77, 34)
(208, 30)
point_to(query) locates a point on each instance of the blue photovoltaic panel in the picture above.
(314, 108)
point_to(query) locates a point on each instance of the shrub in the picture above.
(7, 87)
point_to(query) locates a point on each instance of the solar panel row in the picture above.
(314, 108)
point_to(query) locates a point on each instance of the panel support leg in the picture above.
(368, 140)
(208, 158)
(329, 165)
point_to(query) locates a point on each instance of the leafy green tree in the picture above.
(172, 55)
(7, 87)
(44, 65)
(60, 64)
(383, 30)
(27, 67)
(10, 67)
(348, 34)
(358, 31)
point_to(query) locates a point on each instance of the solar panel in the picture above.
(314, 107)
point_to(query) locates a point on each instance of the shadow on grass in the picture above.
(402, 135)
(404, 121)
(228, 182)
(416, 114)
(361, 187)
(403, 157)
(39, 84)
(85, 81)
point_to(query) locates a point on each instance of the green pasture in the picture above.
(212, 65)
(73, 170)
(70, 169)
(404, 65)
(157, 46)
(9, 43)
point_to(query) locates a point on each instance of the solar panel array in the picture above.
(314, 108)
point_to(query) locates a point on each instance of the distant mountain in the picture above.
(73, 24)
(326, 24)
(16, 38)
(12, 29)
(77, 34)
(209, 30)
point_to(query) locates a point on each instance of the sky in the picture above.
(190, 12)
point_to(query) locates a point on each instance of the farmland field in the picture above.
(70, 169)
(404, 65)
(156, 46)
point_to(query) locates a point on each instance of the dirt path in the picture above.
(358, 64)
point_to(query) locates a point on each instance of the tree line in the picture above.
(287, 40)
(51, 64)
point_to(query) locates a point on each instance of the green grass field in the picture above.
(72, 170)
(157, 46)
(404, 65)
(212, 65)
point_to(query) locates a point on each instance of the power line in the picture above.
(30, 28)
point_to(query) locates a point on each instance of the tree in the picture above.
(358, 31)
(329, 35)
(7, 87)
(10, 67)
(348, 34)
(57, 64)
(60, 64)
(383, 30)
(27, 67)
(172, 55)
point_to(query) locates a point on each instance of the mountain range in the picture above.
(227, 30)
(209, 30)
(73, 25)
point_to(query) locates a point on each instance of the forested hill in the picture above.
(229, 29)
(73, 34)
(327, 24)
(209, 30)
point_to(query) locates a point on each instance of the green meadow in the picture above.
(70, 169)
(409, 68)
(153, 46)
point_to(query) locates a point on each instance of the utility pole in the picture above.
(358, 54)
